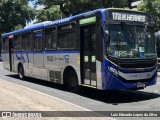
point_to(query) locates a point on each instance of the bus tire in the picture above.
(72, 82)
(21, 72)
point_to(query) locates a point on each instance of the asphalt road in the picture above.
(147, 99)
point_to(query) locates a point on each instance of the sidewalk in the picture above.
(18, 98)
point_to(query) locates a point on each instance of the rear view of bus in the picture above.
(130, 51)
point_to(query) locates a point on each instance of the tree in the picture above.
(152, 7)
(14, 14)
(72, 7)
(47, 14)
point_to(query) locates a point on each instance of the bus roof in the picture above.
(60, 21)
(49, 23)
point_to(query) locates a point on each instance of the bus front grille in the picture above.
(136, 81)
(140, 63)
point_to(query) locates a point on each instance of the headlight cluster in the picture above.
(113, 70)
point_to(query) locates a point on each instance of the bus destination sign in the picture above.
(128, 16)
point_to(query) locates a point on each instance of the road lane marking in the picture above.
(56, 98)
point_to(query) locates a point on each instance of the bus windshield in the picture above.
(131, 41)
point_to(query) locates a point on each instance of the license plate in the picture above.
(140, 85)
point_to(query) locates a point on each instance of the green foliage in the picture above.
(72, 7)
(14, 14)
(49, 14)
(152, 7)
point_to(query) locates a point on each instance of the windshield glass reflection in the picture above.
(128, 41)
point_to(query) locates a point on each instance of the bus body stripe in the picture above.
(42, 52)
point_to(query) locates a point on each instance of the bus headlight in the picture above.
(113, 70)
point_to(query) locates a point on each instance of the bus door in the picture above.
(11, 55)
(88, 54)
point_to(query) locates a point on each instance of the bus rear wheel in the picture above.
(21, 72)
(72, 82)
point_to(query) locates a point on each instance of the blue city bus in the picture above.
(106, 49)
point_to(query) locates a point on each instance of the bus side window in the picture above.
(17, 42)
(26, 41)
(67, 36)
(67, 40)
(5, 44)
(38, 41)
(51, 38)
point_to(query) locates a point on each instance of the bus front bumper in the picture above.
(115, 83)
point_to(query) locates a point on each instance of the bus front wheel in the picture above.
(21, 72)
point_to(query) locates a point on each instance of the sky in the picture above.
(37, 8)
(31, 5)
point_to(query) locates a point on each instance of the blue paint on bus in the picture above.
(109, 79)
(52, 23)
